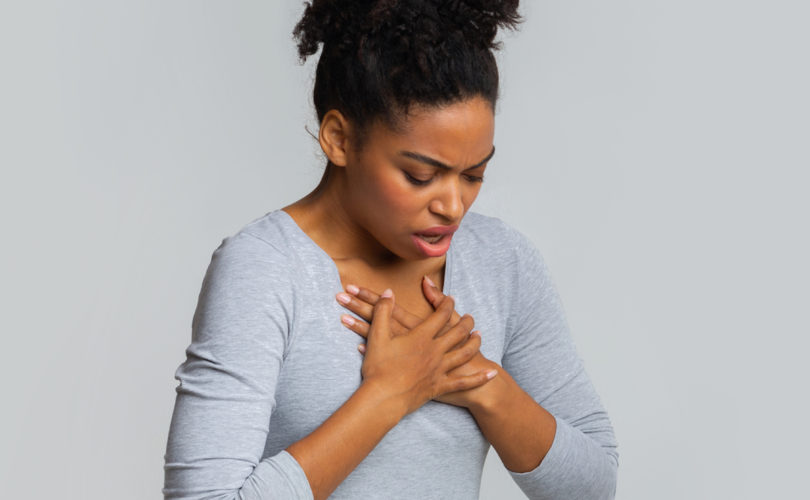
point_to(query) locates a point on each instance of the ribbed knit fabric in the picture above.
(269, 361)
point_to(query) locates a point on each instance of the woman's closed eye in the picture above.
(415, 180)
(424, 182)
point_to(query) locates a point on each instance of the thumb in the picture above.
(435, 297)
(380, 328)
(432, 292)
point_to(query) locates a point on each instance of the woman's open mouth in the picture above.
(435, 241)
(431, 239)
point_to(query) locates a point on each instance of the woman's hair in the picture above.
(381, 57)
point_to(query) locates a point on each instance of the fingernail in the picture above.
(347, 320)
(361, 348)
(388, 293)
(491, 374)
(430, 282)
(343, 298)
(352, 289)
(477, 332)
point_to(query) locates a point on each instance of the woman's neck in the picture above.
(324, 217)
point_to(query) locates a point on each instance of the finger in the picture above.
(453, 321)
(431, 291)
(358, 307)
(465, 382)
(358, 326)
(436, 321)
(459, 332)
(466, 352)
(380, 329)
(435, 296)
(366, 310)
(361, 348)
(370, 297)
(462, 341)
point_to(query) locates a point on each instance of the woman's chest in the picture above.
(404, 281)
(322, 369)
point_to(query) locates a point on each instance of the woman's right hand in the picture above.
(416, 365)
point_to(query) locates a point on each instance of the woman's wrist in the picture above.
(519, 429)
(490, 396)
(332, 451)
(391, 407)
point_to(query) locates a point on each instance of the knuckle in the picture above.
(448, 302)
(460, 384)
(468, 320)
(461, 332)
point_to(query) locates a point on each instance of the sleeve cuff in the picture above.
(294, 485)
(553, 463)
(574, 467)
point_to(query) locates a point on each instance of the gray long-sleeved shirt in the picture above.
(269, 361)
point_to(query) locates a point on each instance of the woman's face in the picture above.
(409, 189)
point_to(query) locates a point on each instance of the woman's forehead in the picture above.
(465, 124)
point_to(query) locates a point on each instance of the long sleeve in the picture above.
(540, 355)
(225, 397)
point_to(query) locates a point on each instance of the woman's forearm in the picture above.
(519, 429)
(333, 450)
(400, 374)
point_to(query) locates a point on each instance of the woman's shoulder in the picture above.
(267, 240)
(490, 235)
(274, 229)
(496, 251)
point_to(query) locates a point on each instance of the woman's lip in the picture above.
(436, 249)
(438, 231)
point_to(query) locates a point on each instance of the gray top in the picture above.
(269, 361)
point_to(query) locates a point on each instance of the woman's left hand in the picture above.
(361, 302)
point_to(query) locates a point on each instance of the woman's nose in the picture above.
(448, 202)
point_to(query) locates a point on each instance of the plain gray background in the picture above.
(655, 151)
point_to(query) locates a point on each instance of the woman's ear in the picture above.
(334, 137)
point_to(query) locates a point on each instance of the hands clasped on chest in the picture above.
(418, 359)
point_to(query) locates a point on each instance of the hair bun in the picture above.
(480, 20)
(380, 57)
(402, 24)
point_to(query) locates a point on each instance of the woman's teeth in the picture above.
(431, 239)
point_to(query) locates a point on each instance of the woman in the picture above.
(277, 399)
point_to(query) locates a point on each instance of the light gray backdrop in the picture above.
(656, 152)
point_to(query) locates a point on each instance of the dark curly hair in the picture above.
(381, 57)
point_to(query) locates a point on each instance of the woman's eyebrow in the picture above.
(436, 163)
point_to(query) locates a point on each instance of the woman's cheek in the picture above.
(399, 198)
